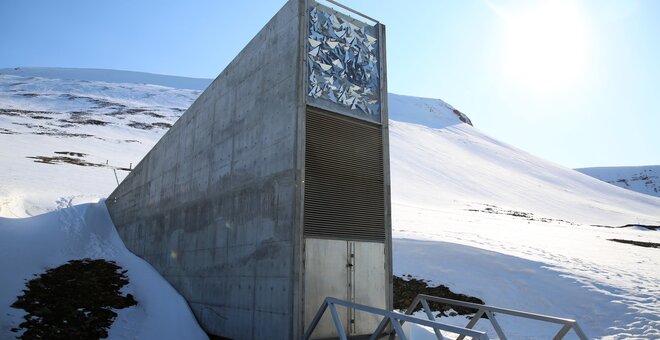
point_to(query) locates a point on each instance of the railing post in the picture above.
(413, 305)
(337, 321)
(579, 331)
(472, 322)
(429, 314)
(316, 320)
(398, 329)
(380, 328)
(563, 331)
(496, 325)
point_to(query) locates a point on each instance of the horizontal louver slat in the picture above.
(344, 191)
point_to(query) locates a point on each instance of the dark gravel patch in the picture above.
(637, 243)
(406, 288)
(73, 301)
(62, 159)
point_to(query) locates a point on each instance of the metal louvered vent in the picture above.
(344, 191)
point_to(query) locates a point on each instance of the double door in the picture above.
(348, 270)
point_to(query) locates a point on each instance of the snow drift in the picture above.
(31, 245)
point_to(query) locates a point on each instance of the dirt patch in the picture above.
(142, 111)
(73, 301)
(646, 226)
(65, 134)
(406, 288)
(62, 159)
(70, 153)
(98, 102)
(74, 158)
(29, 113)
(11, 113)
(85, 122)
(140, 125)
(40, 117)
(491, 209)
(162, 125)
(147, 126)
(637, 243)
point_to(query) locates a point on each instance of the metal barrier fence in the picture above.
(567, 324)
(397, 319)
(393, 318)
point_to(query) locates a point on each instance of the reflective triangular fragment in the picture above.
(313, 43)
(315, 91)
(332, 97)
(334, 21)
(324, 66)
(342, 95)
(314, 52)
(332, 43)
(338, 63)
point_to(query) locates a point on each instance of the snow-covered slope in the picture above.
(110, 76)
(459, 165)
(65, 138)
(644, 179)
(450, 183)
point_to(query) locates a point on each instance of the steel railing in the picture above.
(567, 324)
(397, 319)
(389, 317)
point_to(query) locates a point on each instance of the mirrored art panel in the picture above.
(342, 61)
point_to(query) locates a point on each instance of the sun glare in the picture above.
(546, 45)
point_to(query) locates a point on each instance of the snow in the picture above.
(488, 272)
(110, 76)
(492, 221)
(31, 245)
(25, 133)
(644, 179)
(480, 216)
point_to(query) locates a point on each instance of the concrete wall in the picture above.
(213, 205)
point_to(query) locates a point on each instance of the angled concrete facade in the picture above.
(218, 205)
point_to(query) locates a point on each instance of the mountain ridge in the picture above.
(644, 179)
(110, 76)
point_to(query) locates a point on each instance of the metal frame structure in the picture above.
(567, 324)
(352, 10)
(396, 319)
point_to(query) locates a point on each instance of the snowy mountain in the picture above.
(482, 217)
(110, 76)
(644, 179)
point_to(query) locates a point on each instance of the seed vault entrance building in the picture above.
(271, 192)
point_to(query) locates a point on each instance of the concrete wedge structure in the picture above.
(271, 191)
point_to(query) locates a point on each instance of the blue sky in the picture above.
(577, 83)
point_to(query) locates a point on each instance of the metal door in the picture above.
(347, 270)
